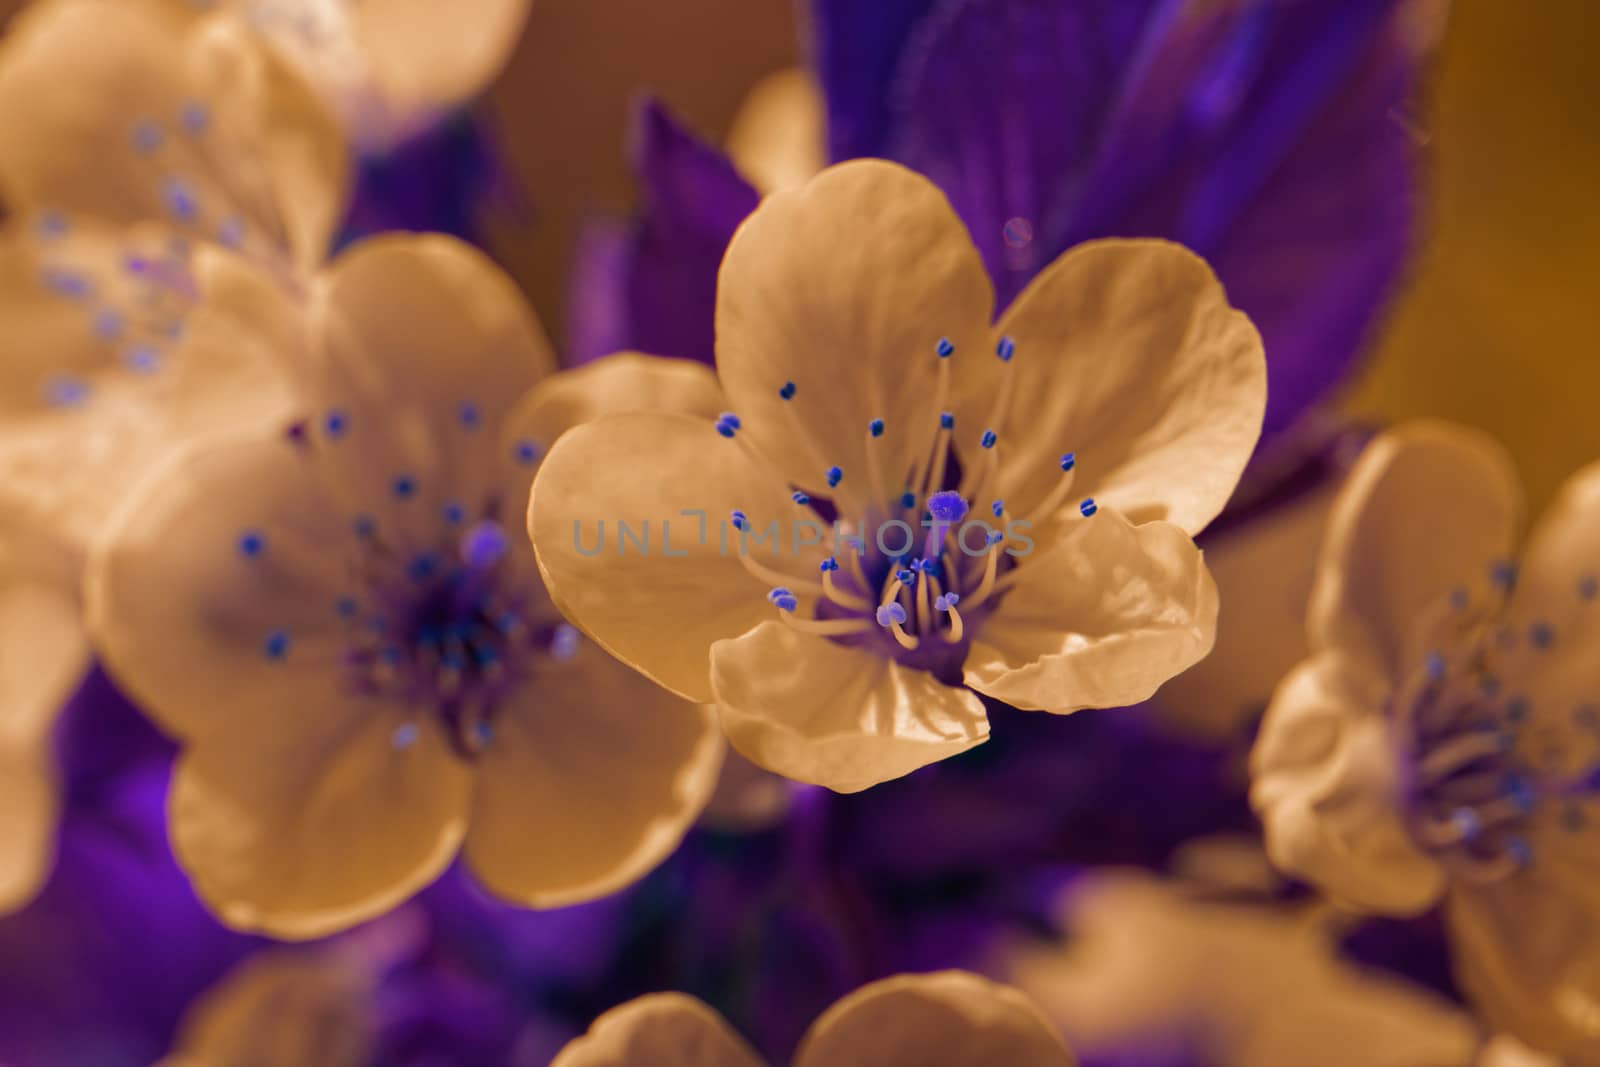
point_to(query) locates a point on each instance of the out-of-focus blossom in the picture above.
(1153, 973)
(1263, 135)
(1263, 555)
(855, 344)
(138, 154)
(358, 654)
(948, 1019)
(1443, 740)
(388, 68)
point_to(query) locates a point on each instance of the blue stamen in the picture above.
(998, 507)
(800, 498)
(469, 416)
(1589, 587)
(146, 137)
(988, 439)
(829, 564)
(1520, 792)
(1503, 573)
(107, 324)
(335, 423)
(66, 392)
(1005, 349)
(142, 358)
(947, 421)
(728, 424)
(364, 526)
(783, 599)
(834, 476)
(995, 537)
(422, 567)
(739, 519)
(564, 642)
(525, 452)
(1088, 507)
(890, 614)
(875, 427)
(195, 117)
(947, 506)
(787, 391)
(52, 224)
(484, 544)
(905, 576)
(1434, 665)
(67, 283)
(405, 487)
(454, 513)
(276, 646)
(945, 348)
(404, 736)
(179, 198)
(1069, 461)
(345, 607)
(930, 567)
(1542, 634)
(252, 544)
(908, 499)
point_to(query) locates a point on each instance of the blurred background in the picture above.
(1498, 328)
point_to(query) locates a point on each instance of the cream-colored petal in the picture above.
(592, 775)
(659, 1030)
(1528, 957)
(211, 595)
(303, 822)
(776, 139)
(1264, 569)
(844, 287)
(945, 1019)
(101, 386)
(1128, 354)
(1559, 586)
(43, 654)
(425, 348)
(281, 1008)
(187, 121)
(615, 384)
(1428, 508)
(673, 479)
(1326, 783)
(812, 709)
(1158, 967)
(1100, 620)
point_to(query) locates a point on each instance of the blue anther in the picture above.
(454, 514)
(1520, 792)
(787, 390)
(404, 736)
(947, 505)
(834, 476)
(998, 507)
(891, 614)
(252, 544)
(829, 564)
(731, 419)
(995, 537)
(142, 358)
(988, 439)
(195, 117)
(146, 137)
(951, 600)
(335, 423)
(345, 607)
(179, 198)
(1069, 461)
(468, 415)
(1503, 573)
(908, 499)
(725, 429)
(945, 348)
(947, 421)
(484, 545)
(1088, 507)
(108, 324)
(1005, 349)
(905, 576)
(404, 487)
(739, 519)
(564, 642)
(800, 498)
(875, 427)
(422, 567)
(364, 526)
(1433, 663)
(525, 452)
(67, 283)
(276, 646)
(783, 599)
(65, 392)
(1542, 635)
(930, 567)
(483, 733)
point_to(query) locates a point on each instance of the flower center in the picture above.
(438, 618)
(917, 570)
(1487, 766)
